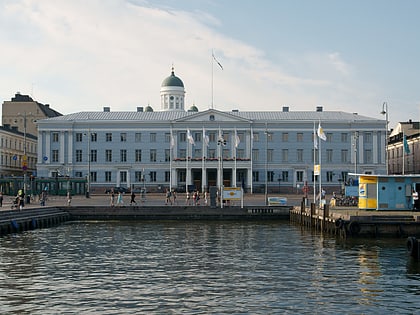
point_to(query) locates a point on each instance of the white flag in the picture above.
(321, 133)
(237, 140)
(190, 138)
(205, 138)
(315, 141)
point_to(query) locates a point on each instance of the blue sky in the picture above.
(344, 55)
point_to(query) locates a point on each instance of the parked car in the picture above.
(122, 190)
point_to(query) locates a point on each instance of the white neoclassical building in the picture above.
(178, 148)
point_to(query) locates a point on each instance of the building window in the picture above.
(182, 176)
(255, 176)
(182, 136)
(123, 137)
(344, 137)
(270, 136)
(137, 176)
(167, 155)
(123, 176)
(329, 175)
(108, 155)
(108, 137)
(212, 136)
(138, 155)
(153, 155)
(93, 177)
(123, 155)
(93, 155)
(285, 137)
(54, 155)
(93, 137)
(329, 155)
(270, 153)
(167, 137)
(285, 176)
(167, 176)
(79, 137)
(79, 156)
(329, 137)
(256, 137)
(197, 153)
(270, 176)
(240, 153)
(108, 177)
(299, 176)
(78, 174)
(299, 137)
(255, 154)
(153, 137)
(197, 136)
(55, 137)
(368, 137)
(284, 155)
(212, 153)
(182, 153)
(153, 176)
(299, 155)
(344, 156)
(137, 137)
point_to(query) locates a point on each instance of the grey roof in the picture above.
(253, 116)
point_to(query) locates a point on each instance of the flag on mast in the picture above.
(321, 133)
(205, 138)
(190, 138)
(315, 140)
(406, 147)
(220, 65)
(237, 140)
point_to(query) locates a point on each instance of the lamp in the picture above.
(385, 112)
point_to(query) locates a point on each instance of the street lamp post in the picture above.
(88, 160)
(24, 157)
(266, 167)
(355, 141)
(385, 112)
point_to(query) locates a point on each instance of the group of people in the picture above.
(194, 198)
(119, 200)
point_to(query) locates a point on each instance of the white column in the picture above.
(62, 147)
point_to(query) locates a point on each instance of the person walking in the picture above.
(120, 200)
(168, 197)
(133, 197)
(112, 201)
(1, 199)
(174, 197)
(415, 199)
(187, 199)
(68, 198)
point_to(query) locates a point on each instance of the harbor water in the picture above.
(197, 267)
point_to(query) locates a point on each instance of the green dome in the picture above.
(172, 80)
(148, 108)
(193, 109)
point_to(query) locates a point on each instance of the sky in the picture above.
(83, 55)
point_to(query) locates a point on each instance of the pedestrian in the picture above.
(21, 199)
(112, 201)
(120, 200)
(205, 198)
(168, 197)
(174, 197)
(133, 197)
(68, 198)
(187, 199)
(1, 199)
(42, 198)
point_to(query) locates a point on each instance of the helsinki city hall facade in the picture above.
(178, 149)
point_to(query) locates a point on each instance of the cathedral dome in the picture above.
(172, 80)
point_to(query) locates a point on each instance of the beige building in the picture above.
(404, 159)
(18, 134)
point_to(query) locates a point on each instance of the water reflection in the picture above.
(202, 267)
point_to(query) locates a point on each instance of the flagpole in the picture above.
(251, 146)
(315, 148)
(203, 156)
(170, 161)
(236, 147)
(186, 167)
(212, 84)
(404, 152)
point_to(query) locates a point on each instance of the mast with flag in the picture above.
(190, 142)
(203, 158)
(406, 150)
(322, 136)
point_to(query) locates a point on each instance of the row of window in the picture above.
(271, 176)
(213, 135)
(17, 144)
(211, 154)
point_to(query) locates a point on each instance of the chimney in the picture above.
(107, 109)
(139, 109)
(319, 108)
(285, 108)
(235, 110)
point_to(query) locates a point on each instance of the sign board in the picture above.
(317, 169)
(277, 201)
(232, 193)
